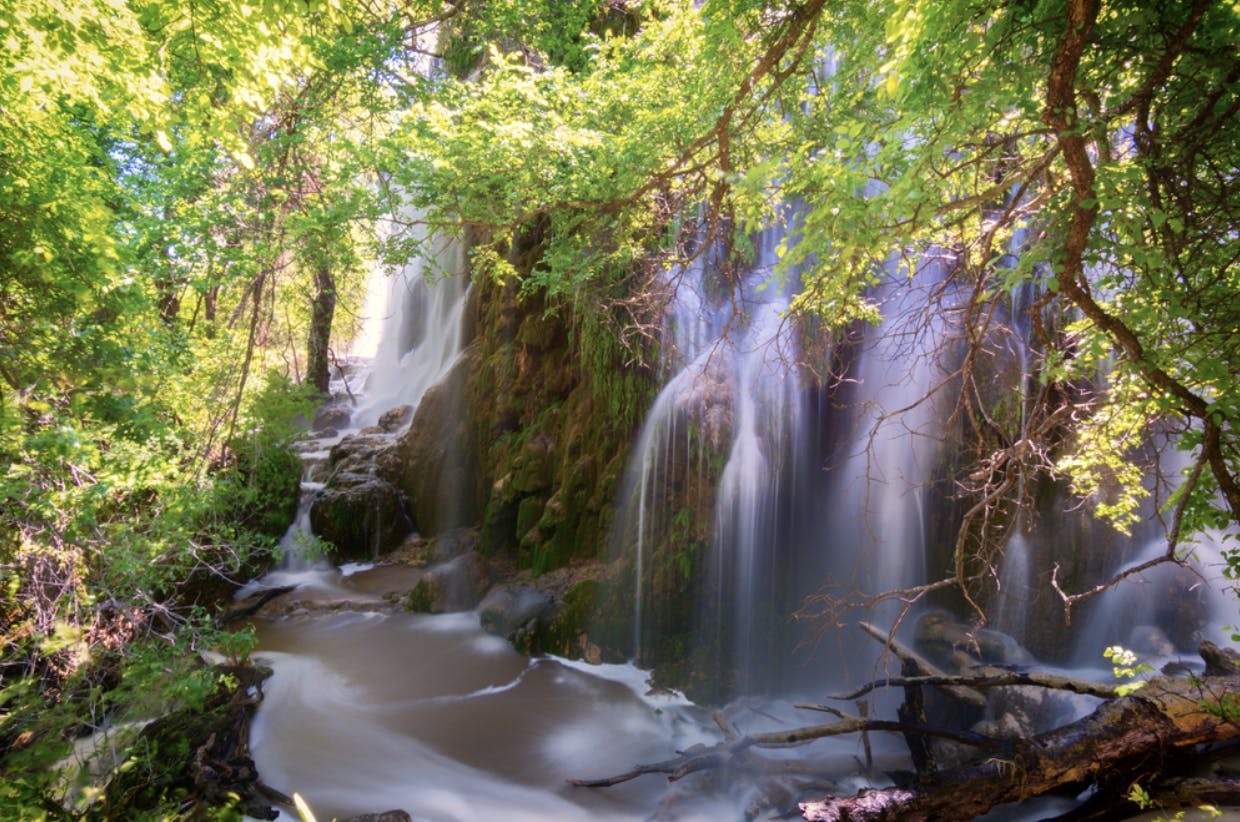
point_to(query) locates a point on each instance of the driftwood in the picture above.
(1141, 734)
(1164, 724)
(253, 603)
(737, 751)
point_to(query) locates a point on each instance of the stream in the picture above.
(374, 710)
(368, 712)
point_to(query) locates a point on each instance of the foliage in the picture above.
(1125, 666)
(1140, 797)
(1072, 152)
(172, 178)
(257, 486)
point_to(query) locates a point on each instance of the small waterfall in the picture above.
(705, 479)
(876, 510)
(416, 330)
(746, 508)
(1017, 585)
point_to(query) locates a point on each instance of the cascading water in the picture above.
(748, 487)
(876, 512)
(718, 439)
(419, 331)
(735, 433)
(413, 331)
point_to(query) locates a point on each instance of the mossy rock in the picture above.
(361, 520)
(529, 512)
(566, 633)
(421, 599)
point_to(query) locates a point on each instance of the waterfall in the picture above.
(876, 507)
(415, 328)
(700, 500)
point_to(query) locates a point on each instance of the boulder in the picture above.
(394, 419)
(453, 543)
(331, 417)
(364, 453)
(362, 516)
(385, 816)
(956, 645)
(456, 585)
(511, 611)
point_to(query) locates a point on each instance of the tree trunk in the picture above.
(1124, 738)
(323, 308)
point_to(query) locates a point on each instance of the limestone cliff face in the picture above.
(550, 449)
(528, 435)
(436, 460)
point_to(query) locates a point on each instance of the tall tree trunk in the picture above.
(323, 308)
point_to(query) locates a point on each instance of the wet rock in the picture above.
(956, 645)
(456, 585)
(1179, 603)
(361, 519)
(385, 816)
(436, 466)
(331, 417)
(452, 544)
(363, 453)
(533, 468)
(510, 610)
(394, 419)
(1150, 640)
(1219, 661)
(566, 631)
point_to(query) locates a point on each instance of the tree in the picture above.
(163, 222)
(1082, 150)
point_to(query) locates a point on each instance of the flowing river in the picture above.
(369, 710)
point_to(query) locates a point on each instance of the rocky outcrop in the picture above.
(434, 460)
(527, 438)
(455, 585)
(516, 612)
(553, 409)
(360, 515)
(361, 511)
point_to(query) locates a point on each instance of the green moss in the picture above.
(421, 599)
(528, 513)
(564, 632)
(617, 379)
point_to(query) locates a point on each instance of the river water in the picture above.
(368, 712)
(370, 709)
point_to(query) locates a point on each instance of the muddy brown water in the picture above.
(369, 711)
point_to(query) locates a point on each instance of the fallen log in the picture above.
(736, 753)
(1142, 733)
(914, 664)
(250, 606)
